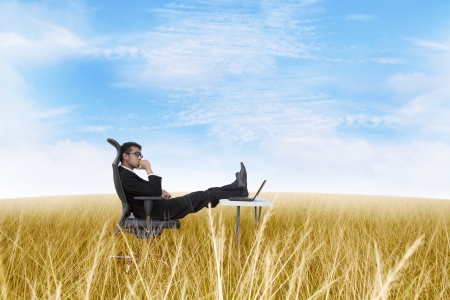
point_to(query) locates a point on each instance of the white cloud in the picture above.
(411, 84)
(28, 34)
(200, 46)
(367, 120)
(257, 109)
(40, 169)
(420, 103)
(36, 33)
(389, 60)
(360, 17)
(20, 15)
(305, 164)
(18, 123)
(53, 112)
(283, 130)
(98, 128)
(49, 43)
(427, 99)
(32, 164)
(432, 45)
(415, 169)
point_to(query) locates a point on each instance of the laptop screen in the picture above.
(260, 188)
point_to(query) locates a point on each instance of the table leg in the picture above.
(257, 214)
(238, 224)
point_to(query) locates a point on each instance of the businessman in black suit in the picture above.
(174, 208)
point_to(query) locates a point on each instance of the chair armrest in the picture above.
(148, 198)
(148, 206)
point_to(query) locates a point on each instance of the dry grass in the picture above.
(308, 246)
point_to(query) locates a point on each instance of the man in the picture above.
(170, 208)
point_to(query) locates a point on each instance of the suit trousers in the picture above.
(179, 207)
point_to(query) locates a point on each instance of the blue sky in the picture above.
(314, 96)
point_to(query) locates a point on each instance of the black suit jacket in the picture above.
(133, 186)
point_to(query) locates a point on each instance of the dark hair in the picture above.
(126, 147)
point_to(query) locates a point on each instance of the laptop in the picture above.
(248, 198)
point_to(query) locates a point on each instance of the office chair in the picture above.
(140, 227)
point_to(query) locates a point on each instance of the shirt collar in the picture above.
(128, 169)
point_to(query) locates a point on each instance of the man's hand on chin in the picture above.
(145, 165)
(166, 195)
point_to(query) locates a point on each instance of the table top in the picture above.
(256, 202)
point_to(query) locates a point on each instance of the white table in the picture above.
(257, 203)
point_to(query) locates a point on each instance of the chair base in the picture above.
(138, 227)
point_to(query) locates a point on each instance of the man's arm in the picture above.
(135, 185)
(145, 165)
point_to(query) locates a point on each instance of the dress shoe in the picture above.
(236, 182)
(242, 178)
(244, 190)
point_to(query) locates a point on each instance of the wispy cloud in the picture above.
(98, 128)
(432, 45)
(65, 162)
(428, 109)
(421, 103)
(18, 123)
(359, 17)
(224, 67)
(53, 43)
(53, 112)
(199, 46)
(232, 82)
(35, 33)
(411, 84)
(389, 60)
(261, 119)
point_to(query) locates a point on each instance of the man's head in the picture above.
(130, 155)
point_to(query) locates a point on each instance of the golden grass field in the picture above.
(307, 246)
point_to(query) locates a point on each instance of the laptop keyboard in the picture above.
(240, 199)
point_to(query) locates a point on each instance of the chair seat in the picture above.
(141, 223)
(138, 227)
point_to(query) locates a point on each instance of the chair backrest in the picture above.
(126, 209)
